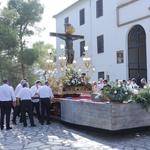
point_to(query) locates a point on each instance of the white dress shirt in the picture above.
(45, 92)
(25, 94)
(34, 89)
(18, 88)
(7, 93)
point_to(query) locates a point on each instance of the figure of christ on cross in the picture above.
(68, 38)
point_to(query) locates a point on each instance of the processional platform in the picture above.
(103, 115)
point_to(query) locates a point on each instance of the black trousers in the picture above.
(17, 112)
(45, 109)
(26, 107)
(5, 110)
(36, 106)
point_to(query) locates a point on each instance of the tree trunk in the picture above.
(21, 53)
(23, 71)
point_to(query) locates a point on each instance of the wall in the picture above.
(115, 24)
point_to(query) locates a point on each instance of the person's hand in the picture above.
(52, 100)
(17, 103)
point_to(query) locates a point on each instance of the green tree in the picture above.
(28, 13)
(8, 36)
(41, 64)
(42, 50)
(17, 22)
(8, 44)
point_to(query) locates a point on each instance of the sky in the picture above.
(51, 7)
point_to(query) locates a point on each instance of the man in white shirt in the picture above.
(25, 97)
(46, 96)
(7, 97)
(36, 99)
(17, 108)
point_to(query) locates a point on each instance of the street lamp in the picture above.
(62, 59)
(87, 61)
(51, 69)
(49, 51)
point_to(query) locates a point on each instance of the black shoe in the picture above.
(8, 128)
(48, 123)
(2, 127)
(14, 123)
(33, 125)
(42, 123)
(25, 125)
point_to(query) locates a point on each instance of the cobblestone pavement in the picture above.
(61, 137)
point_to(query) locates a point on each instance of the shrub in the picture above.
(143, 98)
(116, 93)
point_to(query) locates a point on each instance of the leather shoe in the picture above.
(25, 125)
(42, 123)
(33, 125)
(14, 123)
(48, 123)
(8, 128)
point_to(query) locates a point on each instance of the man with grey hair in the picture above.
(144, 83)
(17, 108)
(36, 99)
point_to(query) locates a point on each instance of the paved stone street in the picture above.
(61, 137)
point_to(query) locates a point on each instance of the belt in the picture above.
(26, 100)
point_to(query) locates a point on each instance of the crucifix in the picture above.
(68, 37)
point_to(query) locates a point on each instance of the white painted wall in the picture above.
(115, 38)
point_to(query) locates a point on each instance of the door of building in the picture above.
(137, 62)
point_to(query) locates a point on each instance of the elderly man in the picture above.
(36, 99)
(7, 97)
(25, 97)
(17, 108)
(46, 96)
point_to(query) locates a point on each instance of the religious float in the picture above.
(114, 112)
(71, 84)
(113, 109)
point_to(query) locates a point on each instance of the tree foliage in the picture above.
(16, 24)
(29, 56)
(28, 13)
(8, 35)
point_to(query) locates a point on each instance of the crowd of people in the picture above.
(131, 84)
(24, 100)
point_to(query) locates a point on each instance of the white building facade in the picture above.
(117, 33)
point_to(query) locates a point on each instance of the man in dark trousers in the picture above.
(25, 97)
(36, 99)
(17, 108)
(7, 97)
(46, 96)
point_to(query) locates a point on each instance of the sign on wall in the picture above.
(120, 57)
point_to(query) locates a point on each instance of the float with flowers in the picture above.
(71, 84)
(115, 108)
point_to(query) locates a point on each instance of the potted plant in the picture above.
(115, 93)
(143, 98)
